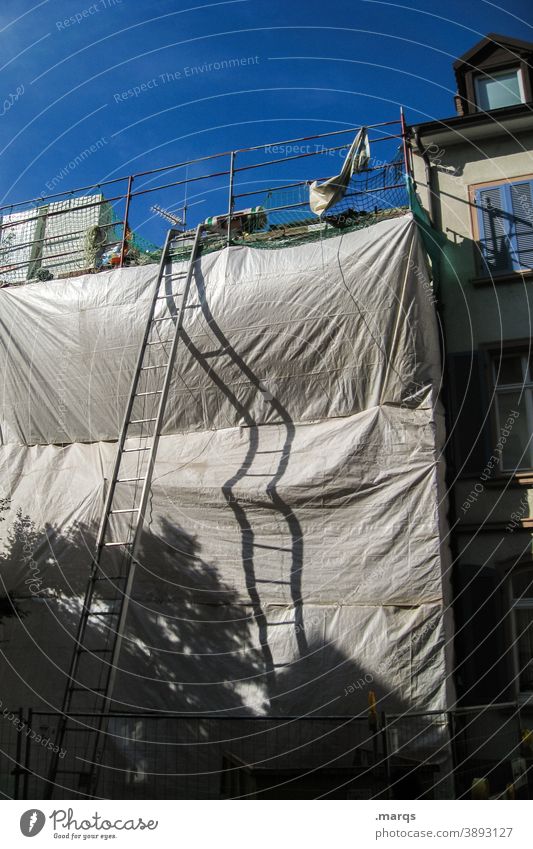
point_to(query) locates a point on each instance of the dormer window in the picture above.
(499, 88)
(496, 73)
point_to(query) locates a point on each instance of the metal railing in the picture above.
(12, 726)
(178, 756)
(112, 223)
(436, 754)
(490, 743)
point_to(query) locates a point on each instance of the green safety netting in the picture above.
(433, 241)
(283, 216)
(85, 234)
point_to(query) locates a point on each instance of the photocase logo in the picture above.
(32, 822)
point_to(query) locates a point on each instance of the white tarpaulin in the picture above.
(322, 197)
(294, 542)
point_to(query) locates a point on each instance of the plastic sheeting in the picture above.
(322, 197)
(293, 555)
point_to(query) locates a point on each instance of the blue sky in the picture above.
(304, 66)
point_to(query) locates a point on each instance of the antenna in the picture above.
(169, 216)
(186, 194)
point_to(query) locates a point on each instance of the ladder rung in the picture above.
(152, 392)
(271, 547)
(178, 276)
(127, 510)
(164, 318)
(142, 421)
(132, 450)
(129, 480)
(272, 624)
(192, 306)
(110, 544)
(147, 368)
(102, 613)
(268, 581)
(216, 353)
(170, 295)
(111, 578)
(159, 342)
(94, 651)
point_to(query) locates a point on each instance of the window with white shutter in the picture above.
(522, 209)
(505, 222)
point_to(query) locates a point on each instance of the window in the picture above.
(522, 627)
(505, 224)
(513, 382)
(499, 88)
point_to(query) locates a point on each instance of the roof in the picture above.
(494, 40)
(459, 128)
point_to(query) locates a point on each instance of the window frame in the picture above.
(525, 388)
(514, 604)
(484, 272)
(492, 75)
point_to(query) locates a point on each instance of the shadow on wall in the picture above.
(251, 466)
(190, 645)
(191, 649)
(177, 648)
(494, 254)
(286, 751)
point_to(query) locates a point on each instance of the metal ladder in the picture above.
(93, 667)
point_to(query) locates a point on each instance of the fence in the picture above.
(200, 757)
(168, 756)
(256, 195)
(11, 752)
(495, 744)
(492, 743)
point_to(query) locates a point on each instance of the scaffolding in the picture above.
(261, 213)
(255, 195)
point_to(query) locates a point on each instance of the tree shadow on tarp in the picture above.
(189, 649)
(183, 757)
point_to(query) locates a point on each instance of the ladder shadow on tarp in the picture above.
(250, 468)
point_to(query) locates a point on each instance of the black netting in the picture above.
(376, 192)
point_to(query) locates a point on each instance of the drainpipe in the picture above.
(429, 178)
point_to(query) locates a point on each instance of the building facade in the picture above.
(474, 177)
